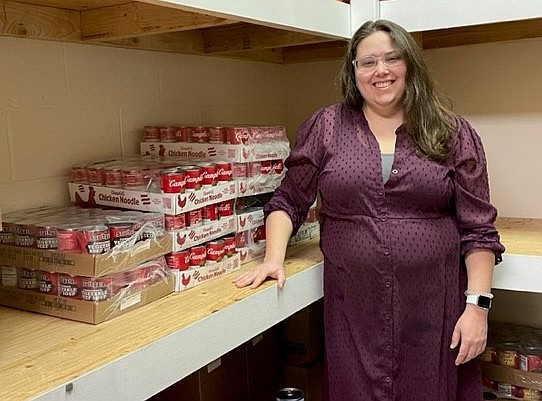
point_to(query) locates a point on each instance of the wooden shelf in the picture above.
(521, 268)
(138, 354)
(276, 31)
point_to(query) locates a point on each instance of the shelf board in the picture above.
(232, 29)
(171, 337)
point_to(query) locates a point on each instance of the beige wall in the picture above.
(498, 87)
(61, 104)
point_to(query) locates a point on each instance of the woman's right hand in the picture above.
(256, 276)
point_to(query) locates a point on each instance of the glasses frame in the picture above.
(377, 59)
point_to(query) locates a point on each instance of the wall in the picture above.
(497, 86)
(61, 104)
(65, 103)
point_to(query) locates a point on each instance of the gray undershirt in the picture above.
(387, 162)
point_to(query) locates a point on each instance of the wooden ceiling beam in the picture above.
(39, 22)
(315, 52)
(139, 19)
(242, 37)
(470, 35)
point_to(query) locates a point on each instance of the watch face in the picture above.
(484, 302)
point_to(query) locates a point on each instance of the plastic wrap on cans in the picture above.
(290, 394)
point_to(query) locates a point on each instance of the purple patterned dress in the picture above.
(394, 276)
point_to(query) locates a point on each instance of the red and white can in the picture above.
(229, 245)
(240, 170)
(48, 283)
(266, 166)
(278, 166)
(95, 239)
(209, 213)
(224, 171)
(80, 174)
(173, 180)
(199, 134)
(151, 134)
(237, 135)
(132, 177)
(217, 135)
(68, 238)
(96, 175)
(120, 231)
(198, 255)
(193, 177)
(69, 286)
(178, 260)
(181, 133)
(254, 169)
(96, 288)
(175, 221)
(215, 251)
(258, 234)
(45, 236)
(113, 176)
(530, 359)
(242, 239)
(194, 217)
(209, 174)
(225, 208)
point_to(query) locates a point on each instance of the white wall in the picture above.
(65, 103)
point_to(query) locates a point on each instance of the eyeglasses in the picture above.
(369, 63)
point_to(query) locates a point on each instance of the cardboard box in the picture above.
(258, 185)
(308, 230)
(186, 279)
(308, 379)
(240, 153)
(184, 239)
(224, 379)
(303, 335)
(84, 264)
(86, 195)
(505, 374)
(263, 361)
(84, 311)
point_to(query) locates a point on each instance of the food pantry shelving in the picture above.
(47, 358)
(53, 359)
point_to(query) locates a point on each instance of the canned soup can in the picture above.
(290, 394)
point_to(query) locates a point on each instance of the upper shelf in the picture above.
(279, 31)
(454, 23)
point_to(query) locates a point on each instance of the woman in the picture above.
(406, 228)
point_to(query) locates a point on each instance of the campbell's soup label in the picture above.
(96, 289)
(48, 283)
(69, 286)
(28, 279)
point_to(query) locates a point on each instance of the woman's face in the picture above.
(380, 73)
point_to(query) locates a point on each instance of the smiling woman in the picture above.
(401, 244)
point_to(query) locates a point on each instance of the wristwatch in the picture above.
(481, 301)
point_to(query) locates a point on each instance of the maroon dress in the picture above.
(394, 275)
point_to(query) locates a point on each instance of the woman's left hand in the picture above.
(470, 333)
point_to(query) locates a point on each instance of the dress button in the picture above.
(383, 219)
(387, 347)
(388, 284)
(388, 379)
(381, 193)
(386, 251)
(394, 171)
(387, 316)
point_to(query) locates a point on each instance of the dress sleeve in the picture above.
(475, 214)
(298, 189)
